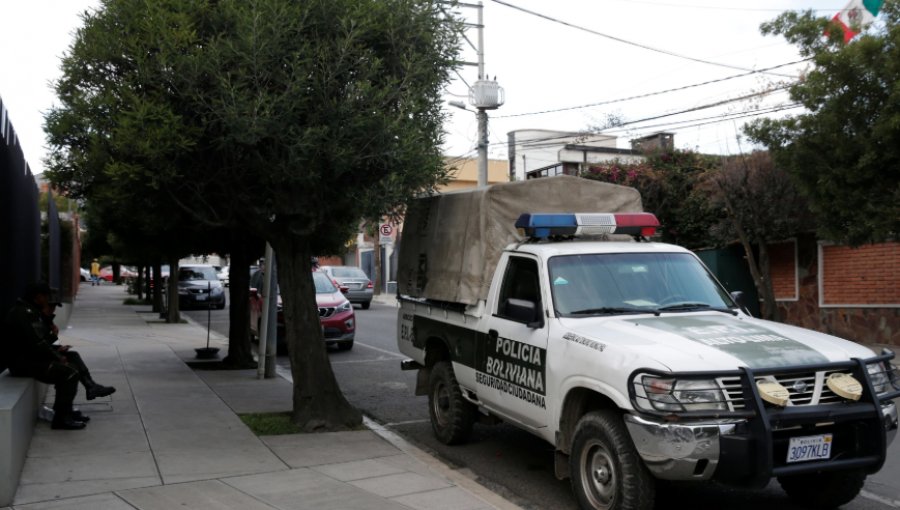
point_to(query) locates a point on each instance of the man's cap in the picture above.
(33, 290)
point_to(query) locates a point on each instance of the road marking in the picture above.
(881, 499)
(408, 422)
(391, 353)
(352, 361)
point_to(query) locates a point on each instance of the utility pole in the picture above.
(484, 95)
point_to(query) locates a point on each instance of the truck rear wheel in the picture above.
(452, 416)
(606, 471)
(823, 490)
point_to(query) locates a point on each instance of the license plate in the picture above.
(200, 297)
(806, 448)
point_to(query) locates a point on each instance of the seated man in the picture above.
(31, 353)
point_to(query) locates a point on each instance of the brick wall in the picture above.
(870, 325)
(868, 275)
(783, 270)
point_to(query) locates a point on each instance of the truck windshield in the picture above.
(622, 283)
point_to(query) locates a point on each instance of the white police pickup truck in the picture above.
(637, 365)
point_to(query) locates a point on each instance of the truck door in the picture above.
(512, 362)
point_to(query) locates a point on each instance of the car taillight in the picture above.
(369, 285)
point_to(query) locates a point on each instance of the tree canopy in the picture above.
(292, 120)
(843, 152)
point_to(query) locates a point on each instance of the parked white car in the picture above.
(223, 275)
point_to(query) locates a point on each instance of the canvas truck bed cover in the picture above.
(451, 242)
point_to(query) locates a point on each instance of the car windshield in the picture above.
(619, 283)
(196, 273)
(323, 284)
(348, 272)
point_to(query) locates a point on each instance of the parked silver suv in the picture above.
(360, 288)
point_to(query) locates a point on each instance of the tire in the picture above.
(366, 305)
(345, 346)
(452, 416)
(823, 490)
(221, 306)
(606, 470)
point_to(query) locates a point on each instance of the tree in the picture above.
(293, 120)
(762, 205)
(667, 182)
(843, 153)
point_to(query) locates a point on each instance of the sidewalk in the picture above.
(170, 436)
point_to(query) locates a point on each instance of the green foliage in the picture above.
(843, 153)
(186, 121)
(668, 185)
(758, 198)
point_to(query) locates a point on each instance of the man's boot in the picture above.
(77, 415)
(63, 420)
(93, 390)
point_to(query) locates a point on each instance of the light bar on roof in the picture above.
(543, 225)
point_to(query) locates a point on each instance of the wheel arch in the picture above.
(579, 401)
(436, 349)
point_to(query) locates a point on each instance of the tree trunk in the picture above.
(319, 404)
(157, 287)
(173, 316)
(240, 353)
(139, 283)
(770, 307)
(761, 281)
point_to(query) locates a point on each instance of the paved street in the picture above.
(515, 464)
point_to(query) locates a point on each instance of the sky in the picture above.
(617, 49)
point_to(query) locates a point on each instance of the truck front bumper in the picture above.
(721, 449)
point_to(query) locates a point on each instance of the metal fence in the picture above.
(20, 218)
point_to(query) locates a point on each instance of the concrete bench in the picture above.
(20, 398)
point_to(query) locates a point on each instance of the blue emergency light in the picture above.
(544, 225)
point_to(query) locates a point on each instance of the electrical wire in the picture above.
(649, 94)
(548, 141)
(723, 8)
(625, 41)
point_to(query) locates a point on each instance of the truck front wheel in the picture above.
(452, 416)
(823, 490)
(606, 471)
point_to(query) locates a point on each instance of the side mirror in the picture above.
(738, 297)
(522, 310)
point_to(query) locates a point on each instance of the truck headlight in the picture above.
(680, 395)
(878, 374)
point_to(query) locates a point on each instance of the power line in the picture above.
(624, 41)
(649, 94)
(589, 137)
(548, 140)
(718, 118)
(724, 8)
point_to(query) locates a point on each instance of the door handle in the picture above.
(492, 334)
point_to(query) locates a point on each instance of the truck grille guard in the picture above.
(768, 427)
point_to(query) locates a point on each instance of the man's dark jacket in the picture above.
(29, 340)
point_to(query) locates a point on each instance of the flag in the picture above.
(857, 16)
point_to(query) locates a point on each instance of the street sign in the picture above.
(385, 240)
(386, 229)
